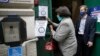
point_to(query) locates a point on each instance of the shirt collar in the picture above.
(84, 17)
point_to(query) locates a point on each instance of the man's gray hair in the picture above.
(86, 8)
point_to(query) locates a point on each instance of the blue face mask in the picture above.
(82, 13)
(59, 18)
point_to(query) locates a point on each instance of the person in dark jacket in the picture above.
(85, 32)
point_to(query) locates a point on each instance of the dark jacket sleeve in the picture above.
(76, 25)
(92, 29)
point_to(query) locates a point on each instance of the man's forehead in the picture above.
(82, 7)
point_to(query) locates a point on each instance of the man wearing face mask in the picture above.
(85, 32)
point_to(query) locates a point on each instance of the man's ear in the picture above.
(86, 9)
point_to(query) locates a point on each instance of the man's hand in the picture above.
(90, 44)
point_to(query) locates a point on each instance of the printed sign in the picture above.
(98, 16)
(40, 28)
(43, 11)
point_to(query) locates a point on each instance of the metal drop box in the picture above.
(13, 29)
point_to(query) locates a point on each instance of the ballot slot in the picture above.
(11, 31)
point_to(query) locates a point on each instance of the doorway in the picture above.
(73, 6)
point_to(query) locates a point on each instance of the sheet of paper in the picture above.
(40, 27)
(43, 11)
(98, 17)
